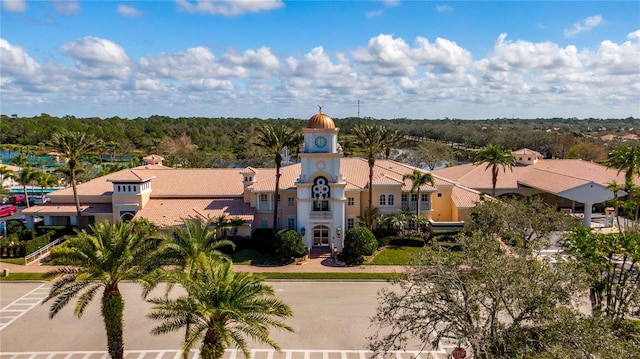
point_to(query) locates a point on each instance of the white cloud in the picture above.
(387, 56)
(586, 25)
(128, 11)
(260, 58)
(66, 7)
(14, 5)
(229, 7)
(93, 50)
(15, 61)
(614, 59)
(391, 78)
(444, 8)
(372, 14)
(520, 56)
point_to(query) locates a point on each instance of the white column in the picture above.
(587, 214)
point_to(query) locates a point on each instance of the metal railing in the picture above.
(40, 252)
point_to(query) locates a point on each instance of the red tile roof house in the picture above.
(321, 197)
(567, 183)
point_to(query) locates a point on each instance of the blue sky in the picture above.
(270, 59)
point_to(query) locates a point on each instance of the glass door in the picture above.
(321, 236)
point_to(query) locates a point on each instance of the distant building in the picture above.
(321, 197)
(575, 185)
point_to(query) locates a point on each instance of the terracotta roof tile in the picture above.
(171, 211)
(550, 175)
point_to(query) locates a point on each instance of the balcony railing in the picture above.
(424, 206)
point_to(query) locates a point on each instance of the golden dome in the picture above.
(320, 120)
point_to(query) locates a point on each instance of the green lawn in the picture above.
(395, 255)
(22, 276)
(19, 261)
(252, 256)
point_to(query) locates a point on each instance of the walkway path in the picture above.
(313, 265)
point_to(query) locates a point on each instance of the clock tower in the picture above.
(320, 187)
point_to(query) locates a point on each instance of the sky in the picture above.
(282, 59)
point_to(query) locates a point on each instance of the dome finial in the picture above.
(319, 109)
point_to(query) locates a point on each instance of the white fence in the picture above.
(41, 251)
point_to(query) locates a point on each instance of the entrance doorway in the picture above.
(320, 236)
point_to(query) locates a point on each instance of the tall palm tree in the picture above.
(627, 159)
(73, 146)
(225, 308)
(46, 180)
(418, 179)
(26, 177)
(391, 138)
(495, 157)
(193, 245)
(191, 248)
(369, 139)
(113, 253)
(274, 139)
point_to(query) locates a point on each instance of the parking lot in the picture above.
(331, 321)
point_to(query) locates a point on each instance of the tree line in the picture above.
(221, 142)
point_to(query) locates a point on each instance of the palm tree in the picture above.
(191, 248)
(236, 223)
(391, 139)
(369, 139)
(627, 159)
(4, 174)
(21, 160)
(73, 146)
(275, 139)
(418, 178)
(113, 253)
(398, 221)
(222, 224)
(225, 308)
(25, 177)
(46, 180)
(495, 158)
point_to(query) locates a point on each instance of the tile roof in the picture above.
(201, 182)
(57, 208)
(464, 197)
(526, 152)
(553, 176)
(171, 211)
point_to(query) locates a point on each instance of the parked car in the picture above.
(42, 200)
(18, 199)
(8, 210)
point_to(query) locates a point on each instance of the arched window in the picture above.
(383, 200)
(391, 200)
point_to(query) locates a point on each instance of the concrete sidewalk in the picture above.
(313, 265)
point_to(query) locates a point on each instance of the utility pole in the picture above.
(358, 108)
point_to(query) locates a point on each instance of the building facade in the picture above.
(322, 195)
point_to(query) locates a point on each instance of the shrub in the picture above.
(359, 242)
(289, 244)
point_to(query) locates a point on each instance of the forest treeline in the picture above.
(220, 142)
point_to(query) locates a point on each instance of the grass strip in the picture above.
(21, 276)
(331, 276)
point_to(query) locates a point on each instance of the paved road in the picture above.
(331, 320)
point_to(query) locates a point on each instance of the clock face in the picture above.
(321, 142)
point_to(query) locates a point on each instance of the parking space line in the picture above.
(23, 304)
(231, 354)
